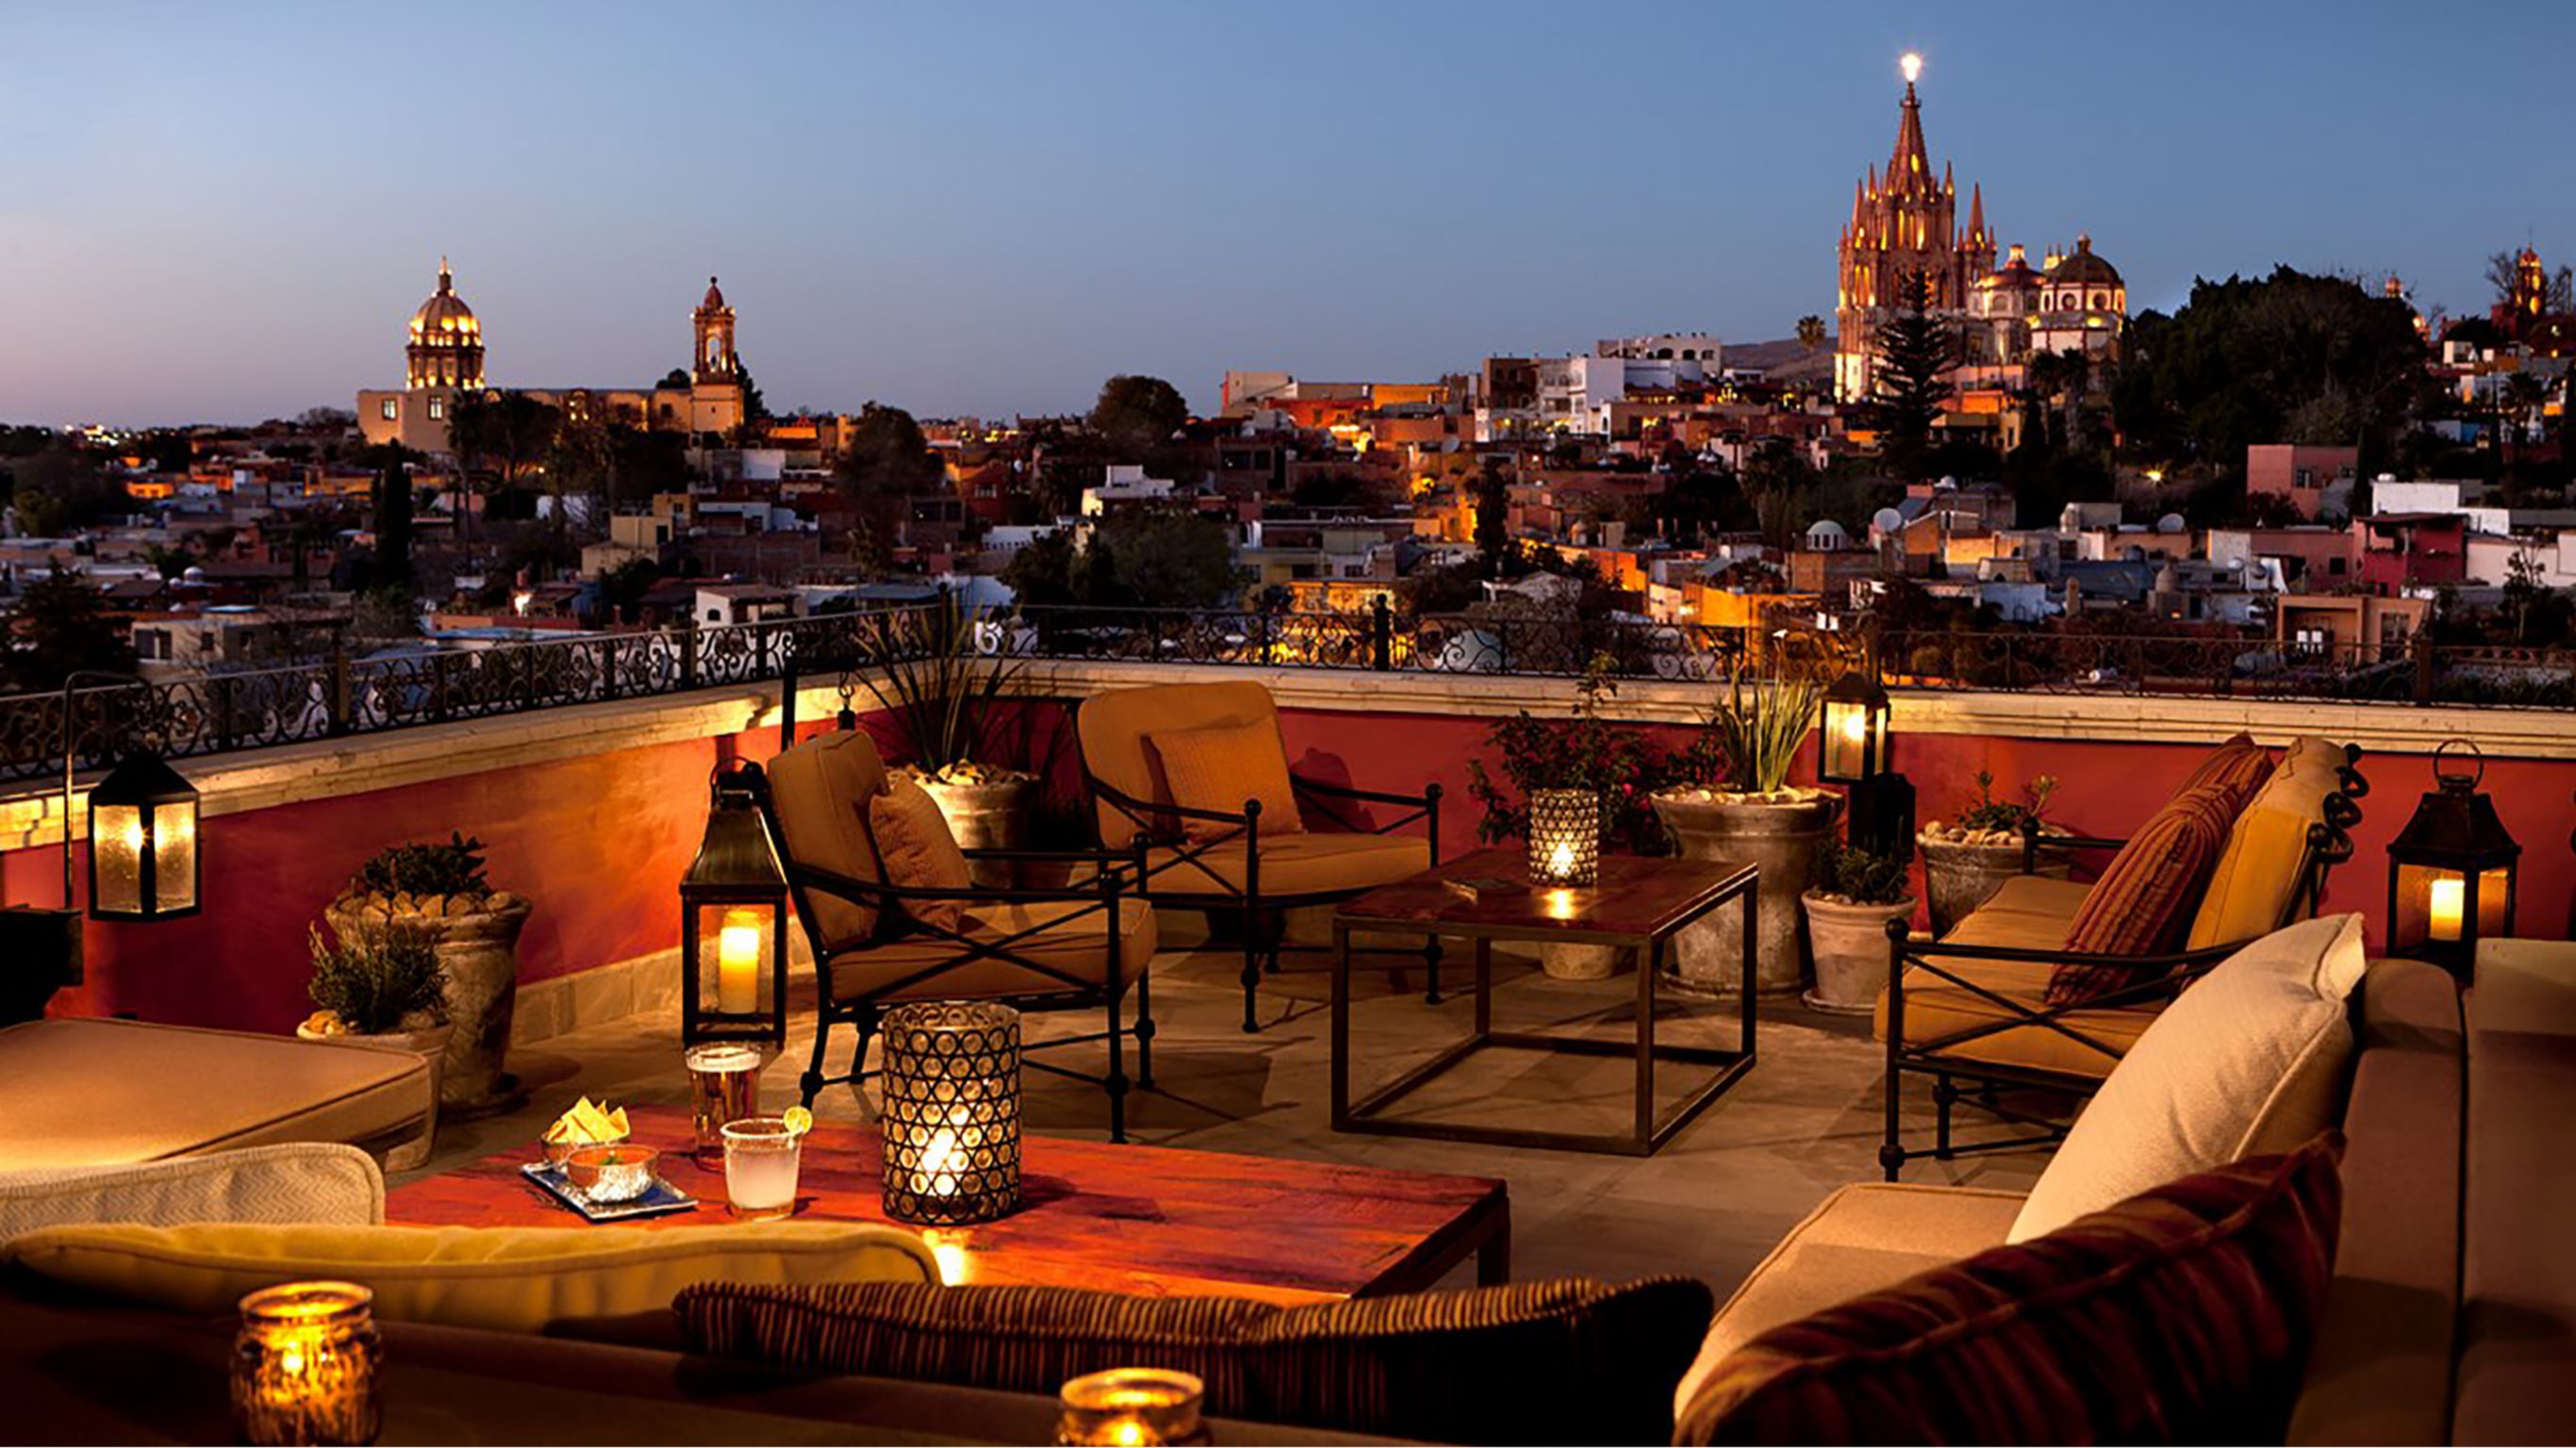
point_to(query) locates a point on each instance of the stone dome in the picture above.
(2081, 267)
(445, 320)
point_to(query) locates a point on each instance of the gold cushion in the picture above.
(2249, 894)
(1315, 863)
(1221, 766)
(820, 790)
(2029, 913)
(1067, 936)
(919, 853)
(1862, 1238)
(504, 1279)
(1111, 729)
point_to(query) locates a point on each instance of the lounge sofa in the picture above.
(2451, 1315)
(1982, 1004)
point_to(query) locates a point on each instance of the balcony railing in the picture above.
(337, 697)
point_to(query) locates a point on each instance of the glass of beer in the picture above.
(724, 1086)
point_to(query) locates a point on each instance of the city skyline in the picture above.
(990, 213)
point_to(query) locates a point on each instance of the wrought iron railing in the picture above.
(343, 696)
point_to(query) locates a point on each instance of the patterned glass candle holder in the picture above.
(1131, 1408)
(952, 1112)
(305, 1365)
(1564, 836)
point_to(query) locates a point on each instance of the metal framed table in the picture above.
(1638, 901)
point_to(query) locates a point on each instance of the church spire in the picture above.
(1976, 217)
(1910, 165)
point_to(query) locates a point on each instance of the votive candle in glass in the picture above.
(306, 1365)
(1132, 1408)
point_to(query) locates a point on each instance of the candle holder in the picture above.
(305, 1365)
(1564, 836)
(951, 1118)
(1132, 1408)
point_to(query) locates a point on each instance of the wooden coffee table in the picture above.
(1158, 1221)
(1639, 901)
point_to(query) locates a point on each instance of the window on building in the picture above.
(2336, 565)
(2308, 639)
(390, 409)
(437, 409)
(2305, 478)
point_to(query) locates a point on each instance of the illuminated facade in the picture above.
(443, 357)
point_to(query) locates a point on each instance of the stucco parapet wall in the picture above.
(330, 769)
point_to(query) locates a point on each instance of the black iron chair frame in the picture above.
(1102, 895)
(2329, 845)
(1264, 924)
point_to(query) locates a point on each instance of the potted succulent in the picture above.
(1847, 915)
(940, 673)
(1616, 763)
(438, 891)
(386, 988)
(1753, 814)
(1967, 859)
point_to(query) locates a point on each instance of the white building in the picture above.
(1123, 483)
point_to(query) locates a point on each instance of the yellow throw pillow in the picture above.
(505, 1279)
(2250, 890)
(919, 853)
(1220, 767)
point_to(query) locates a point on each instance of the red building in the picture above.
(2412, 550)
(2299, 474)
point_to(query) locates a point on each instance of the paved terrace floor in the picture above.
(1711, 1203)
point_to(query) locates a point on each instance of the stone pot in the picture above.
(1960, 875)
(994, 813)
(1785, 836)
(1583, 962)
(1853, 953)
(480, 948)
(429, 1041)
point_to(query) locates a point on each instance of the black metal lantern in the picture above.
(142, 843)
(733, 922)
(2452, 870)
(1851, 744)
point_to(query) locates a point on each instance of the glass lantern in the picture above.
(950, 1121)
(2452, 871)
(1564, 837)
(733, 923)
(306, 1364)
(1851, 744)
(142, 843)
(1132, 1408)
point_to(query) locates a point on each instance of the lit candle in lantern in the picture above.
(940, 1160)
(1560, 861)
(2446, 906)
(1132, 1407)
(738, 963)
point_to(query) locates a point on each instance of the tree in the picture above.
(326, 419)
(2557, 289)
(1811, 333)
(886, 456)
(1917, 347)
(1778, 479)
(62, 627)
(1494, 545)
(392, 514)
(1138, 414)
(62, 489)
(643, 463)
(677, 377)
(1162, 559)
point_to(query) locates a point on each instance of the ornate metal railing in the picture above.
(341, 696)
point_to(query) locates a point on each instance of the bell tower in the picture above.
(714, 360)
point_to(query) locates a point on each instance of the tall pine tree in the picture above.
(393, 517)
(1917, 347)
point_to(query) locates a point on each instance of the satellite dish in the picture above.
(1887, 520)
(1948, 482)
(2171, 523)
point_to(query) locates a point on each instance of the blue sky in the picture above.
(227, 212)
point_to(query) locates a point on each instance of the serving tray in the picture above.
(660, 1199)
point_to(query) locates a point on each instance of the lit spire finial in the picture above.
(1912, 65)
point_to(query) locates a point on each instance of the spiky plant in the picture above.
(1762, 724)
(940, 689)
(376, 981)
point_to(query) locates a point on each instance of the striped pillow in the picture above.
(1449, 1366)
(2145, 899)
(2182, 1315)
(2240, 764)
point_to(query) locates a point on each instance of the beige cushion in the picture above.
(2250, 1060)
(820, 790)
(1067, 936)
(507, 1279)
(1112, 726)
(110, 1093)
(1317, 863)
(918, 852)
(296, 1181)
(2250, 892)
(2030, 912)
(1863, 1238)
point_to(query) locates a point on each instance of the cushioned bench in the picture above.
(111, 1093)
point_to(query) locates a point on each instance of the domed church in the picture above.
(443, 356)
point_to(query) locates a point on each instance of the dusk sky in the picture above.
(227, 212)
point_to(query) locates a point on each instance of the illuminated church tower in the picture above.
(1901, 223)
(713, 321)
(446, 346)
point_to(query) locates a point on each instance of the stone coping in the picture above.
(328, 769)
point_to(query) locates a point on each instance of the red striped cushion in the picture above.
(1453, 1367)
(2181, 1315)
(2144, 901)
(2240, 763)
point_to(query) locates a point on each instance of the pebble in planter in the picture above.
(439, 891)
(1847, 920)
(1966, 860)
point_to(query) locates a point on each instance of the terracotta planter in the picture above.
(1584, 962)
(429, 1041)
(1960, 875)
(1785, 836)
(480, 949)
(1853, 953)
(987, 814)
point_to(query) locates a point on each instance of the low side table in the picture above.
(1639, 901)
